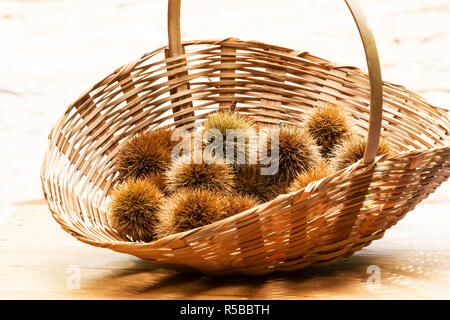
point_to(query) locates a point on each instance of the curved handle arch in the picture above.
(372, 59)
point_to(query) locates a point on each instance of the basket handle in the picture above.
(372, 59)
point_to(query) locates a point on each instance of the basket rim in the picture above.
(237, 43)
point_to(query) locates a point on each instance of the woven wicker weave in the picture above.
(329, 219)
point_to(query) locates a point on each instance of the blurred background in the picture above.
(53, 51)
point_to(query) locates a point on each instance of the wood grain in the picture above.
(414, 263)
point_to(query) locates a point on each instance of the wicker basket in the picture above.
(180, 84)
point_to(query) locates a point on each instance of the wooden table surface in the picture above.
(38, 260)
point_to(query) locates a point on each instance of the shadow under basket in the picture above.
(320, 224)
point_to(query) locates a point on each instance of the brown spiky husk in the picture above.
(189, 209)
(320, 171)
(249, 181)
(235, 204)
(328, 124)
(159, 180)
(133, 209)
(297, 153)
(224, 120)
(145, 154)
(352, 149)
(185, 174)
